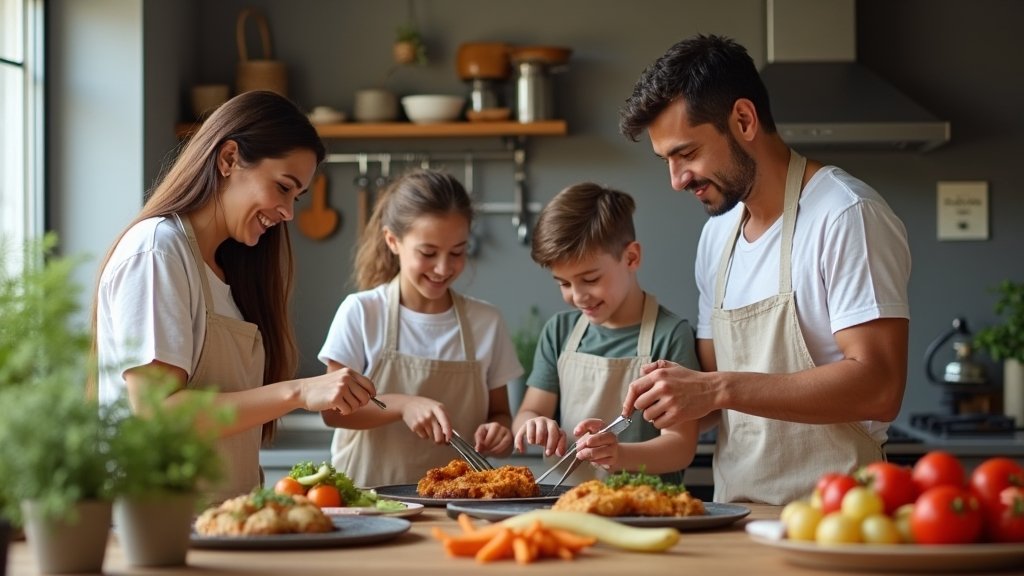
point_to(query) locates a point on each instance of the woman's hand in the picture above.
(598, 449)
(541, 431)
(344, 390)
(427, 419)
(493, 439)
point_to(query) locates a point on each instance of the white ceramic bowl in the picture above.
(433, 108)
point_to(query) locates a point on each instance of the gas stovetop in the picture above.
(964, 424)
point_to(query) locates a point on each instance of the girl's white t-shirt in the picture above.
(150, 304)
(356, 336)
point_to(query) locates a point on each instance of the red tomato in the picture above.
(993, 475)
(832, 495)
(290, 486)
(827, 477)
(946, 515)
(892, 483)
(938, 468)
(324, 496)
(1006, 523)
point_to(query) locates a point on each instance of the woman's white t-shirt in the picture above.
(356, 336)
(150, 304)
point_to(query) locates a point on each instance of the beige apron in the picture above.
(760, 459)
(231, 360)
(594, 387)
(393, 454)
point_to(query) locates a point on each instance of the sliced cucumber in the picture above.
(315, 478)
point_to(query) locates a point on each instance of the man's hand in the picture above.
(668, 394)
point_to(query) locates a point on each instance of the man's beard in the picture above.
(736, 185)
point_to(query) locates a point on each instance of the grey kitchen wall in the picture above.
(958, 59)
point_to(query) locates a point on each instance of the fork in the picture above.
(476, 460)
(615, 427)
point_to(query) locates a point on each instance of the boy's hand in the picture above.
(428, 419)
(598, 449)
(544, 432)
(493, 439)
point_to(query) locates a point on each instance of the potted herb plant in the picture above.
(55, 482)
(163, 454)
(56, 479)
(1005, 341)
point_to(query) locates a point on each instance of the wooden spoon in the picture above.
(319, 220)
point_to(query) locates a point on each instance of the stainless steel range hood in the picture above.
(822, 98)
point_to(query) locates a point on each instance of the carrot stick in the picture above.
(499, 547)
(571, 540)
(459, 547)
(521, 550)
(466, 523)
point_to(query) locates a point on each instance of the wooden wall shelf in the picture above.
(410, 130)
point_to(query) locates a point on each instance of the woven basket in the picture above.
(264, 74)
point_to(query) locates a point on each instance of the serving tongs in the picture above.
(476, 460)
(616, 426)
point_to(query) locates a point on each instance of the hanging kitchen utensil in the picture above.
(362, 183)
(319, 220)
(258, 74)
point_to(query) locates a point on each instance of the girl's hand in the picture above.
(427, 419)
(599, 449)
(544, 432)
(344, 390)
(493, 439)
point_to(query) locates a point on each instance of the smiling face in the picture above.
(431, 255)
(258, 196)
(599, 284)
(710, 165)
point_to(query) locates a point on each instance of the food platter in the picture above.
(407, 493)
(896, 557)
(349, 531)
(411, 509)
(717, 515)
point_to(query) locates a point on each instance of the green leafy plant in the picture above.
(526, 337)
(167, 447)
(37, 301)
(409, 47)
(56, 446)
(1005, 340)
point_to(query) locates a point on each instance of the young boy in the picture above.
(586, 357)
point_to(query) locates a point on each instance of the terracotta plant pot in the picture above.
(154, 529)
(73, 545)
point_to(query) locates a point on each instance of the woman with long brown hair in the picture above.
(197, 286)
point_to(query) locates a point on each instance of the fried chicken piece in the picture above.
(595, 497)
(458, 480)
(247, 516)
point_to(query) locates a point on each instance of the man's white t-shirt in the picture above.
(356, 336)
(150, 304)
(851, 264)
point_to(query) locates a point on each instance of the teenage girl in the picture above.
(439, 360)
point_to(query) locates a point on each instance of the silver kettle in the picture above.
(963, 369)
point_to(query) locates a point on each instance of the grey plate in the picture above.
(717, 515)
(407, 493)
(349, 531)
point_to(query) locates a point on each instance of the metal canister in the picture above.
(534, 93)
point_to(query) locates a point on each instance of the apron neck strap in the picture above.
(394, 305)
(186, 226)
(791, 201)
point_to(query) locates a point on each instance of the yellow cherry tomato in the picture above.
(801, 520)
(860, 502)
(879, 529)
(901, 517)
(837, 528)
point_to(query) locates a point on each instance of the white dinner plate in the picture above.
(892, 558)
(348, 531)
(411, 509)
(716, 515)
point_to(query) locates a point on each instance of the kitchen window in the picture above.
(21, 123)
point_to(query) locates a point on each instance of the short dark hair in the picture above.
(710, 73)
(580, 220)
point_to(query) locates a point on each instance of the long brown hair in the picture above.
(263, 125)
(417, 193)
